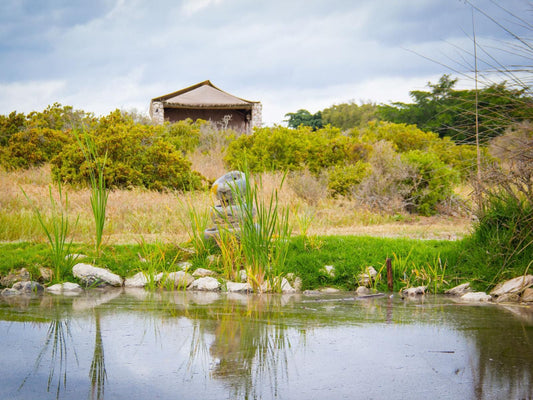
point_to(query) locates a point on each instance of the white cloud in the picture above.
(29, 96)
(190, 7)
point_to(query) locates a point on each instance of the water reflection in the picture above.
(210, 345)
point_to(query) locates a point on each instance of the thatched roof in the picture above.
(203, 94)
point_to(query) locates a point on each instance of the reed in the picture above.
(56, 229)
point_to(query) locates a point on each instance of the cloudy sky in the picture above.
(100, 55)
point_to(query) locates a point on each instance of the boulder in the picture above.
(206, 283)
(10, 279)
(237, 287)
(366, 278)
(527, 295)
(459, 290)
(515, 285)
(67, 288)
(28, 287)
(139, 280)
(476, 296)
(46, 274)
(362, 291)
(202, 272)
(10, 292)
(179, 279)
(414, 291)
(95, 276)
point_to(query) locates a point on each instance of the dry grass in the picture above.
(135, 215)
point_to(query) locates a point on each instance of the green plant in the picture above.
(56, 229)
(194, 219)
(99, 191)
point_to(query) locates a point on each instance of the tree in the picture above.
(305, 118)
(349, 115)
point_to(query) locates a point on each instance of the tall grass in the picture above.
(56, 229)
(263, 233)
(99, 191)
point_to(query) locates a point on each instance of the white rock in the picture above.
(179, 279)
(414, 291)
(243, 276)
(202, 272)
(527, 296)
(139, 280)
(90, 275)
(330, 270)
(65, 288)
(362, 291)
(476, 296)
(185, 265)
(459, 290)
(515, 285)
(205, 283)
(286, 286)
(329, 290)
(367, 277)
(236, 287)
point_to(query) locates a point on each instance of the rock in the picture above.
(476, 296)
(47, 274)
(527, 296)
(10, 279)
(515, 285)
(75, 256)
(28, 287)
(202, 272)
(95, 276)
(286, 286)
(508, 298)
(67, 288)
(298, 284)
(185, 265)
(179, 279)
(459, 290)
(243, 276)
(330, 270)
(414, 291)
(139, 280)
(10, 292)
(206, 283)
(311, 292)
(236, 287)
(362, 291)
(367, 277)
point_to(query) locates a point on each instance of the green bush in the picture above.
(137, 155)
(431, 181)
(33, 147)
(344, 178)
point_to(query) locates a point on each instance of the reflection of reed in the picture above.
(97, 373)
(56, 341)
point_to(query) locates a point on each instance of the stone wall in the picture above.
(257, 115)
(157, 112)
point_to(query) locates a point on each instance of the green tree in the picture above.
(305, 118)
(349, 115)
(9, 125)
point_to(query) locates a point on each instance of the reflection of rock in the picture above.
(516, 285)
(206, 284)
(203, 298)
(67, 289)
(94, 298)
(95, 276)
(10, 279)
(459, 290)
(238, 287)
(476, 296)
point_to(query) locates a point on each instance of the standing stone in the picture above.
(95, 276)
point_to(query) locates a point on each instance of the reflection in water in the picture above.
(97, 372)
(253, 346)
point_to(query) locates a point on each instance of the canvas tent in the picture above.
(205, 101)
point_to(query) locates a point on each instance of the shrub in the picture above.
(431, 181)
(308, 186)
(9, 125)
(33, 147)
(136, 156)
(344, 178)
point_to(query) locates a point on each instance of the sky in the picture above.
(101, 55)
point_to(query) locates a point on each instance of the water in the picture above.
(139, 345)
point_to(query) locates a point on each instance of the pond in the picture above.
(134, 344)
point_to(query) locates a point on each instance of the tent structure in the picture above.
(205, 101)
